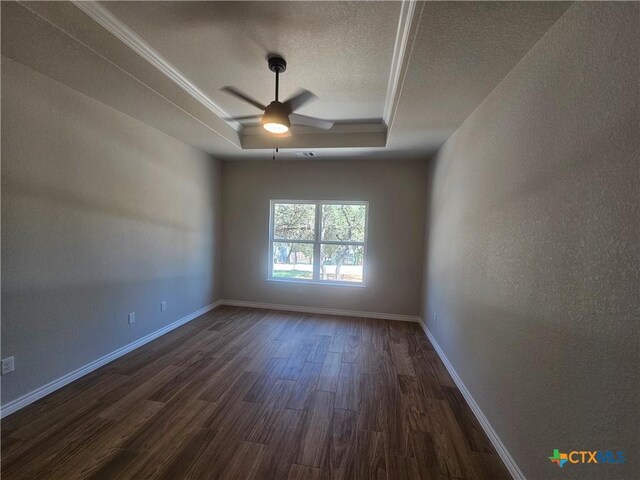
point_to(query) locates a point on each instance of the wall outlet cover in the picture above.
(8, 365)
(163, 306)
(132, 318)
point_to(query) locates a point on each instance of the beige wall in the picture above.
(396, 194)
(101, 216)
(533, 247)
(532, 239)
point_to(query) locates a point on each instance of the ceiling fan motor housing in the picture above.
(277, 64)
(276, 112)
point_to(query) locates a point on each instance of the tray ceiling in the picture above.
(399, 77)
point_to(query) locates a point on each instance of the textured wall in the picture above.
(533, 246)
(101, 216)
(396, 194)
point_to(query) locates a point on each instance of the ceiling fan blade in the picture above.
(243, 96)
(298, 119)
(244, 117)
(298, 99)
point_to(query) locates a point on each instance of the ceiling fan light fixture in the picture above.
(278, 115)
(275, 128)
(276, 119)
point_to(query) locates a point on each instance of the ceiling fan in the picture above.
(278, 116)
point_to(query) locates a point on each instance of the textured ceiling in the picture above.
(462, 51)
(341, 51)
(456, 53)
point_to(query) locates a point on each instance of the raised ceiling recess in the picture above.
(392, 79)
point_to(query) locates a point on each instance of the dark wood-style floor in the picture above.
(253, 394)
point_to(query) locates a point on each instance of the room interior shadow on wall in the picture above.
(214, 199)
(51, 195)
(424, 293)
(96, 292)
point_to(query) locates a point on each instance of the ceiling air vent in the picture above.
(305, 154)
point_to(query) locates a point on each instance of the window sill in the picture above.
(318, 282)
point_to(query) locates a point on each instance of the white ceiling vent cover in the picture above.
(305, 154)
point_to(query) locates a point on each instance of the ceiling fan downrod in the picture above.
(277, 65)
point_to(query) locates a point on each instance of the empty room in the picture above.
(309, 240)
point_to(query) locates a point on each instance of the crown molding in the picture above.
(126, 35)
(377, 138)
(371, 126)
(340, 136)
(405, 21)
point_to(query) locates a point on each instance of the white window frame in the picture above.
(317, 242)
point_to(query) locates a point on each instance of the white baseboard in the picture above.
(40, 392)
(322, 311)
(504, 454)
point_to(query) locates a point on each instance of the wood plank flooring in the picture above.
(244, 393)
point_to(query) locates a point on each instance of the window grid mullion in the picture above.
(289, 240)
(316, 245)
(338, 242)
(271, 235)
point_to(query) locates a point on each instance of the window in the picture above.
(318, 242)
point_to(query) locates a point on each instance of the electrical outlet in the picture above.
(8, 365)
(132, 318)
(163, 306)
(435, 317)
